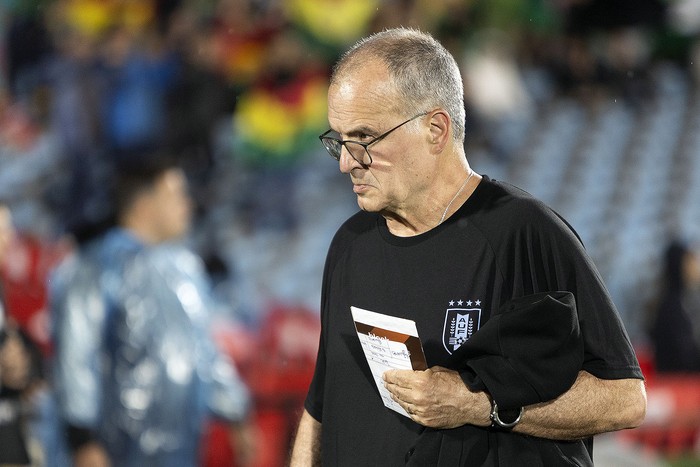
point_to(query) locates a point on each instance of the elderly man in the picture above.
(434, 240)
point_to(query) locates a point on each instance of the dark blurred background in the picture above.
(591, 105)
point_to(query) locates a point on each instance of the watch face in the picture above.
(506, 418)
(509, 416)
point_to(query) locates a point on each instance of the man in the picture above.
(433, 236)
(136, 369)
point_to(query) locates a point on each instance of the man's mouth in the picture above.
(360, 188)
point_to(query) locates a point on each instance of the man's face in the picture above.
(361, 106)
(172, 205)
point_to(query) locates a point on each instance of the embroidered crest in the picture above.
(460, 324)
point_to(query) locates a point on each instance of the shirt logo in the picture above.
(461, 322)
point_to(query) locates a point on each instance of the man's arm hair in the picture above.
(306, 450)
(591, 406)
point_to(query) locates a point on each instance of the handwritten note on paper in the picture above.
(388, 343)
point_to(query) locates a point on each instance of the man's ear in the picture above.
(440, 126)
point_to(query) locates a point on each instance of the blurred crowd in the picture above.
(243, 81)
(236, 90)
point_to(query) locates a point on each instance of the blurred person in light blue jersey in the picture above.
(136, 370)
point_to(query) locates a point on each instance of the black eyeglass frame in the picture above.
(340, 142)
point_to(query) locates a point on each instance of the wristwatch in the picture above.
(505, 419)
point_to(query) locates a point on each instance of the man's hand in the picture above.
(438, 398)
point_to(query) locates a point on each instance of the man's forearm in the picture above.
(591, 406)
(438, 398)
(306, 451)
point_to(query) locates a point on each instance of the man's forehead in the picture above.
(364, 94)
(370, 73)
(344, 90)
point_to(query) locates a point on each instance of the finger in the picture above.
(407, 406)
(402, 396)
(401, 378)
(395, 391)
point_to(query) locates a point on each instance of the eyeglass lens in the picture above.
(358, 152)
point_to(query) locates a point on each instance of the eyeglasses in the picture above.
(359, 151)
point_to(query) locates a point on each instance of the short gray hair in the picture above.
(426, 75)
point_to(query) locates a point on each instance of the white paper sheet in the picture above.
(388, 343)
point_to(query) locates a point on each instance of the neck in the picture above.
(438, 207)
(140, 229)
(461, 188)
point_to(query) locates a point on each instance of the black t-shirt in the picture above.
(501, 244)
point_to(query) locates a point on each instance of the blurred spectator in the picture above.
(276, 125)
(200, 102)
(675, 331)
(242, 30)
(495, 91)
(278, 118)
(608, 44)
(332, 23)
(20, 369)
(136, 369)
(587, 16)
(28, 41)
(141, 71)
(30, 169)
(70, 82)
(627, 61)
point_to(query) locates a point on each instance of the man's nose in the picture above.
(346, 161)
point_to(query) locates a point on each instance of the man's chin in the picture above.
(365, 205)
